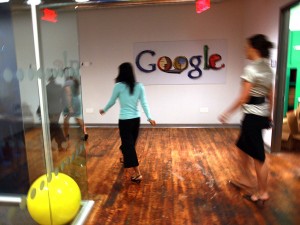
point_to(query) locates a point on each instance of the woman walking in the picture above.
(256, 100)
(130, 93)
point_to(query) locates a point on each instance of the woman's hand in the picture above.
(271, 124)
(101, 111)
(242, 99)
(152, 122)
(223, 118)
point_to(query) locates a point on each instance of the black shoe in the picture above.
(137, 179)
(85, 137)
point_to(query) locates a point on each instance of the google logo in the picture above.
(181, 63)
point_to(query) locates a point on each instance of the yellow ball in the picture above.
(53, 199)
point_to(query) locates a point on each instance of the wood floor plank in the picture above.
(185, 180)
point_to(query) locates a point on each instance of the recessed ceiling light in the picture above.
(80, 1)
(34, 2)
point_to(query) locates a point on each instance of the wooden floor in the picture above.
(185, 173)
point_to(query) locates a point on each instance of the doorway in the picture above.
(286, 133)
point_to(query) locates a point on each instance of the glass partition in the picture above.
(41, 121)
(61, 64)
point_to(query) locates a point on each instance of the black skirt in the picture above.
(250, 140)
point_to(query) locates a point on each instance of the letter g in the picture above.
(137, 61)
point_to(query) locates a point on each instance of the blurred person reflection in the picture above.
(55, 108)
(73, 106)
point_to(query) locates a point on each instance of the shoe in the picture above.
(61, 149)
(256, 199)
(85, 137)
(63, 146)
(137, 179)
(241, 187)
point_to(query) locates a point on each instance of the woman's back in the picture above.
(129, 101)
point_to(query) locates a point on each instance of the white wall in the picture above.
(107, 37)
(262, 16)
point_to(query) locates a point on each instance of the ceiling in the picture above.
(64, 4)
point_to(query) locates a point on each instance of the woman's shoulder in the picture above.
(139, 85)
(120, 84)
(250, 66)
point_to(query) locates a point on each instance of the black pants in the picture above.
(56, 131)
(129, 131)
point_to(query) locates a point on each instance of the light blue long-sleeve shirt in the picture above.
(128, 102)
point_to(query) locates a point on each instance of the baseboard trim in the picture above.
(169, 126)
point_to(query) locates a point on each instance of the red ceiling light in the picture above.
(202, 5)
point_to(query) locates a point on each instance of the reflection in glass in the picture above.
(22, 148)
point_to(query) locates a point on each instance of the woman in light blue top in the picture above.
(256, 101)
(129, 93)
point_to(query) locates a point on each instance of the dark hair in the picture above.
(261, 43)
(126, 75)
